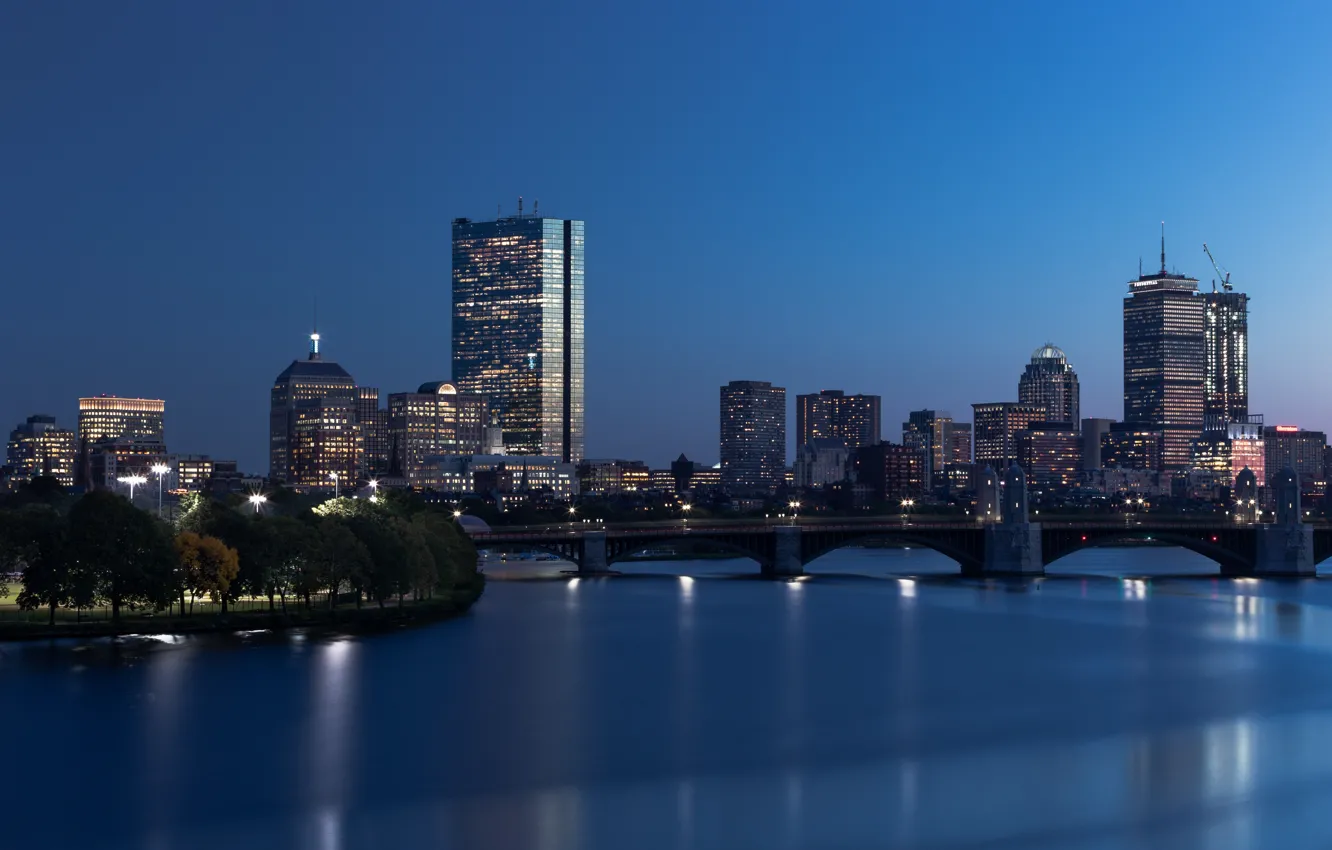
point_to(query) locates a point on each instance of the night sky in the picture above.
(903, 199)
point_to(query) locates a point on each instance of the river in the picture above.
(1133, 698)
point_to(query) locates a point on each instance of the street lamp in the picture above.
(457, 514)
(573, 513)
(794, 505)
(160, 470)
(334, 476)
(258, 499)
(133, 481)
(906, 508)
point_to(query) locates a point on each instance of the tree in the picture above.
(421, 573)
(126, 551)
(209, 566)
(337, 557)
(36, 542)
(286, 543)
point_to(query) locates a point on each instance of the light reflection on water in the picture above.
(1133, 699)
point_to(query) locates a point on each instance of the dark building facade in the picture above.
(40, 447)
(1124, 446)
(1093, 433)
(1165, 360)
(1050, 382)
(518, 328)
(316, 385)
(834, 415)
(753, 436)
(373, 420)
(1050, 453)
(434, 421)
(1301, 450)
(959, 443)
(1226, 343)
(930, 432)
(890, 471)
(995, 426)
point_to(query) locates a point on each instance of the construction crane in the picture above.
(1220, 272)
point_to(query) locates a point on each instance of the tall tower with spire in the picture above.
(1164, 360)
(313, 426)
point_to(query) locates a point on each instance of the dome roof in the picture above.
(1049, 351)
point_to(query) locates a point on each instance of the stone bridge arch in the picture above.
(1234, 551)
(756, 547)
(965, 546)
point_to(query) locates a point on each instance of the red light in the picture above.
(1084, 538)
(1213, 538)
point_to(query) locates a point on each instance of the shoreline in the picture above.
(369, 618)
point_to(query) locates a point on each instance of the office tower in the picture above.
(753, 436)
(316, 385)
(930, 432)
(325, 445)
(1093, 432)
(1301, 450)
(1124, 446)
(434, 421)
(1050, 453)
(108, 418)
(1228, 452)
(959, 443)
(891, 472)
(820, 463)
(39, 447)
(518, 328)
(373, 420)
(1226, 342)
(995, 426)
(1051, 383)
(1164, 360)
(834, 415)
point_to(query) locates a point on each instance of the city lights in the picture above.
(133, 481)
(258, 500)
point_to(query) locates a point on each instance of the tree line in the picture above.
(99, 550)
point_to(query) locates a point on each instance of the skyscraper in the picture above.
(753, 436)
(1050, 382)
(373, 420)
(106, 418)
(834, 415)
(518, 328)
(1164, 360)
(312, 404)
(930, 432)
(1226, 342)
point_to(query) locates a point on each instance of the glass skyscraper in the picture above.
(518, 328)
(1226, 341)
(1164, 361)
(1050, 382)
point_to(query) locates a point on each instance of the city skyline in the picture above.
(1051, 200)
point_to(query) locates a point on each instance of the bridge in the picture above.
(1010, 545)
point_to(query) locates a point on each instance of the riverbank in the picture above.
(368, 618)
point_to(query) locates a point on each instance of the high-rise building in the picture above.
(316, 386)
(1226, 342)
(834, 415)
(518, 328)
(434, 421)
(39, 447)
(753, 436)
(1050, 453)
(1093, 433)
(1124, 446)
(108, 418)
(959, 443)
(1165, 360)
(1051, 383)
(995, 426)
(1301, 450)
(930, 432)
(1228, 452)
(374, 431)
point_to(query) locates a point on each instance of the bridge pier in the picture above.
(594, 559)
(786, 562)
(1284, 550)
(1013, 549)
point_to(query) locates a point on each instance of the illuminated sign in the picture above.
(1287, 429)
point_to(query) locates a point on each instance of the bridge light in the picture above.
(1213, 538)
(1084, 538)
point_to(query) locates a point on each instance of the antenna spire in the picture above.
(1163, 270)
(314, 333)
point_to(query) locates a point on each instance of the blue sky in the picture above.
(903, 199)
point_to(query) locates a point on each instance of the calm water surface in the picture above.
(857, 708)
